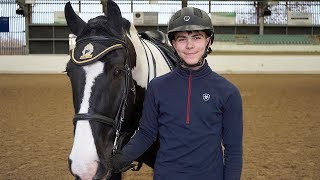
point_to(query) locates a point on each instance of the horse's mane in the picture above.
(126, 25)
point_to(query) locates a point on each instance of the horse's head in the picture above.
(103, 90)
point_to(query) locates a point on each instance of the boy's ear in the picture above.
(209, 39)
(173, 43)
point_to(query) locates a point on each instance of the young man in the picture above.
(194, 111)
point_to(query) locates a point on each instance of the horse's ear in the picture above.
(75, 23)
(113, 14)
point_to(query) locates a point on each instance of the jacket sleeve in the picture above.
(148, 128)
(232, 137)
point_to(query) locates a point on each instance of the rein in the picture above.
(123, 105)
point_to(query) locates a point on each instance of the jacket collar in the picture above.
(202, 71)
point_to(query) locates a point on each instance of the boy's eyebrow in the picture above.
(180, 36)
(197, 34)
(194, 35)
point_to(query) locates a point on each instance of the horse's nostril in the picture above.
(70, 163)
(101, 171)
(75, 175)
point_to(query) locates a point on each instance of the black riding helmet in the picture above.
(190, 19)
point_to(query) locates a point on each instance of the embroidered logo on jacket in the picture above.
(206, 96)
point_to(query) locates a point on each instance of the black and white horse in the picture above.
(109, 70)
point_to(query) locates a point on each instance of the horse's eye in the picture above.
(116, 72)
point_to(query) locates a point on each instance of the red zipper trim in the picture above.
(188, 102)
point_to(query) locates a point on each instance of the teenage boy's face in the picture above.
(190, 45)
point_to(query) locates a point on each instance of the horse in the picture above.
(109, 70)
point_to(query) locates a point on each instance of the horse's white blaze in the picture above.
(84, 154)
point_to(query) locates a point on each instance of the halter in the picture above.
(116, 122)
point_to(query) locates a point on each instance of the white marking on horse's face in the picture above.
(84, 154)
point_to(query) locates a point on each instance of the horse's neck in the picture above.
(137, 43)
(141, 71)
(150, 62)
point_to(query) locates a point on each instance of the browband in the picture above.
(89, 58)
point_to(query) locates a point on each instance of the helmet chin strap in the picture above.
(201, 61)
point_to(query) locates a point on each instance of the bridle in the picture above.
(119, 119)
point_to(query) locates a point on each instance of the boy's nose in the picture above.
(190, 44)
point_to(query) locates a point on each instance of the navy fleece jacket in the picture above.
(194, 113)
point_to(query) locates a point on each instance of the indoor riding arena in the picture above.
(277, 71)
(281, 126)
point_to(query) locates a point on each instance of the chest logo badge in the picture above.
(206, 96)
